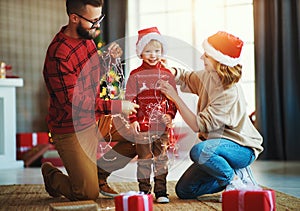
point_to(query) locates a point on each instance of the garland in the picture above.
(112, 82)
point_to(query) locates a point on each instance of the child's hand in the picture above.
(135, 126)
(167, 119)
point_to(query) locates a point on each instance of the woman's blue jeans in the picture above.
(214, 161)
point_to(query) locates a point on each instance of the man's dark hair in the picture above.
(78, 6)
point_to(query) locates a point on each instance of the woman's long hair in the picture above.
(229, 75)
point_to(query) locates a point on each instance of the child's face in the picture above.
(209, 63)
(152, 52)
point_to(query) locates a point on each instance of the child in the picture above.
(230, 142)
(154, 115)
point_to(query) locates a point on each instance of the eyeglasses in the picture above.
(94, 23)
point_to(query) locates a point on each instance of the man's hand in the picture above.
(129, 107)
(115, 50)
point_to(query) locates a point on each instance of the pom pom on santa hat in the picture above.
(145, 36)
(224, 48)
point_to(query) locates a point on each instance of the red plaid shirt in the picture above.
(72, 74)
(141, 88)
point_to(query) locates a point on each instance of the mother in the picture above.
(230, 142)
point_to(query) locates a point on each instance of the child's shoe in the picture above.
(162, 197)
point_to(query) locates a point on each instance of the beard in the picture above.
(85, 34)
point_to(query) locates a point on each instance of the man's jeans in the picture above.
(213, 167)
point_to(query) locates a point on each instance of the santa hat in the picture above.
(145, 36)
(224, 48)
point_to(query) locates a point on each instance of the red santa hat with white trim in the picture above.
(224, 48)
(145, 36)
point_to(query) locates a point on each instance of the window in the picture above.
(186, 24)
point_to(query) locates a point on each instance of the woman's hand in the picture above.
(167, 89)
(164, 64)
(188, 116)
